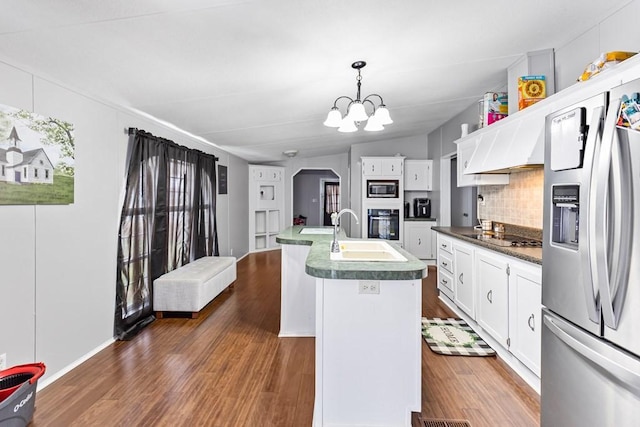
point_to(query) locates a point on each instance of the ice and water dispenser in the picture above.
(568, 137)
(566, 215)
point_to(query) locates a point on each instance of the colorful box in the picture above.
(531, 89)
(495, 107)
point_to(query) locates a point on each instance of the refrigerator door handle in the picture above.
(625, 369)
(592, 147)
(615, 236)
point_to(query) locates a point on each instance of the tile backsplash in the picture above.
(519, 203)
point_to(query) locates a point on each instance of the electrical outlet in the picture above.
(3, 361)
(369, 287)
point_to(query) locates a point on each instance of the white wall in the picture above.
(339, 163)
(58, 262)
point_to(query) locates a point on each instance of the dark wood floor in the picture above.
(229, 368)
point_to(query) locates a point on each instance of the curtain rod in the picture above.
(133, 131)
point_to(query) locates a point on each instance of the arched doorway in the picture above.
(315, 194)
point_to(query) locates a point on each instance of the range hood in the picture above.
(515, 142)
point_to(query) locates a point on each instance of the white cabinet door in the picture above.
(371, 166)
(463, 278)
(465, 150)
(418, 175)
(525, 298)
(418, 239)
(392, 166)
(492, 282)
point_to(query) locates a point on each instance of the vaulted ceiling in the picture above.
(257, 78)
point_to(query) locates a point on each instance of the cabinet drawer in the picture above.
(445, 244)
(445, 261)
(445, 281)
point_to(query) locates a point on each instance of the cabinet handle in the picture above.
(444, 281)
(466, 163)
(443, 246)
(416, 177)
(531, 323)
(419, 241)
(460, 279)
(444, 264)
(393, 168)
(490, 296)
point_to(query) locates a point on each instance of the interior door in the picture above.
(463, 206)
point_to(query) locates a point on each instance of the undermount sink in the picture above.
(317, 230)
(366, 251)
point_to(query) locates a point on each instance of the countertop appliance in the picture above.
(383, 224)
(421, 208)
(591, 263)
(387, 188)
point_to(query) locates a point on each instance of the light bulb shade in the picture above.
(347, 126)
(382, 114)
(373, 125)
(357, 112)
(334, 118)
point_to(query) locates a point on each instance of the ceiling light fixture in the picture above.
(356, 112)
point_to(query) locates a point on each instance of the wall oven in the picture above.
(388, 188)
(384, 224)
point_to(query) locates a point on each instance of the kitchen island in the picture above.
(367, 329)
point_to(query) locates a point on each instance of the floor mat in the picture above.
(453, 337)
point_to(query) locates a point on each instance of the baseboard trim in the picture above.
(57, 375)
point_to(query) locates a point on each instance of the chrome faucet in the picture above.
(335, 216)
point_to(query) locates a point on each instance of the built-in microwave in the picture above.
(388, 188)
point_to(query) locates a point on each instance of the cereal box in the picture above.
(531, 89)
(495, 107)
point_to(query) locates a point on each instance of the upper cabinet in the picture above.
(418, 175)
(466, 148)
(382, 166)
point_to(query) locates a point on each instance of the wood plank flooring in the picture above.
(229, 368)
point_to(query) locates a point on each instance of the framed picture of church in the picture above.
(36, 159)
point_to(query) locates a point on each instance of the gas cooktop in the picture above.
(506, 240)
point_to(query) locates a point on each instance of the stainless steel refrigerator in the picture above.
(591, 263)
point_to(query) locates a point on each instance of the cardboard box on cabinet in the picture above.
(531, 89)
(495, 106)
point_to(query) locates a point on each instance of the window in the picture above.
(46, 173)
(24, 170)
(167, 220)
(2, 170)
(41, 162)
(35, 172)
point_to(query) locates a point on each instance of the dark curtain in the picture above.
(168, 220)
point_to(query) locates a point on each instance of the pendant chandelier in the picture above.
(356, 112)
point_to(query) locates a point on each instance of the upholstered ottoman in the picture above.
(192, 286)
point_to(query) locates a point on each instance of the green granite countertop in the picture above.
(318, 263)
(533, 255)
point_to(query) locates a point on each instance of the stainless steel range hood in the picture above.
(513, 143)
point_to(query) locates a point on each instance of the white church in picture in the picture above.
(31, 166)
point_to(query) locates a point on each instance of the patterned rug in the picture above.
(453, 337)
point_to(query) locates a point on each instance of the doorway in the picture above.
(458, 204)
(330, 196)
(309, 187)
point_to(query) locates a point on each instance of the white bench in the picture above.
(190, 287)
